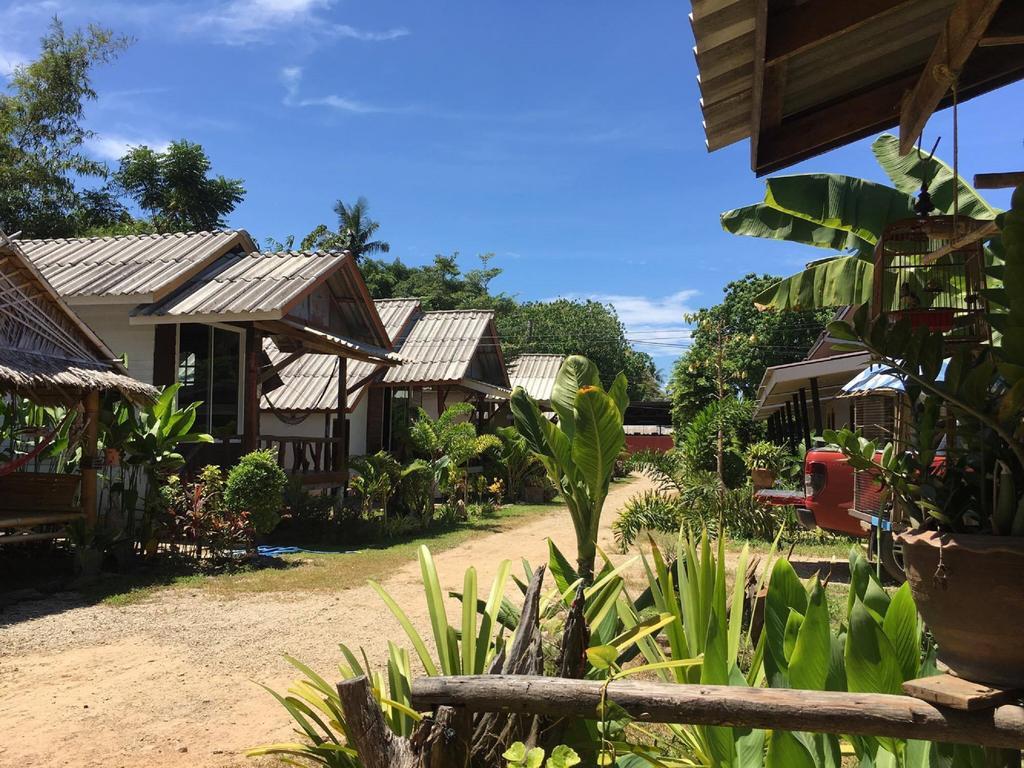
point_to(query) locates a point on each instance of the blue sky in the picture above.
(564, 137)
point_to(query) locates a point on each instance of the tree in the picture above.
(733, 344)
(587, 328)
(42, 138)
(175, 189)
(439, 285)
(355, 230)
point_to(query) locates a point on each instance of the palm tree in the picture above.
(847, 215)
(355, 228)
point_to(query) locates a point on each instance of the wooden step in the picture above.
(948, 690)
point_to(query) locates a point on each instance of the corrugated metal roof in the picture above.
(536, 374)
(440, 346)
(261, 283)
(311, 382)
(142, 266)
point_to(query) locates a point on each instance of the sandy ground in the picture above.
(171, 681)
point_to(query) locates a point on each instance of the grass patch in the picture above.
(823, 548)
(329, 572)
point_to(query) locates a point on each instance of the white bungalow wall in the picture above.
(110, 323)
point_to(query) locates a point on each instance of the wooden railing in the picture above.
(319, 461)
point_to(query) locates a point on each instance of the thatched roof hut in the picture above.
(46, 352)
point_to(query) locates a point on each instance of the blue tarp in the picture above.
(878, 379)
(278, 551)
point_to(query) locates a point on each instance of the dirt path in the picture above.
(171, 681)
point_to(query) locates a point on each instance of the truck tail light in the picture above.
(815, 479)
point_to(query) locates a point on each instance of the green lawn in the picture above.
(317, 572)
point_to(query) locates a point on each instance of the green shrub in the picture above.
(651, 510)
(256, 485)
(699, 440)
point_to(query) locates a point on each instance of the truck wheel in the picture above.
(890, 554)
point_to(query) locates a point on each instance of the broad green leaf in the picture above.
(809, 664)
(602, 656)
(871, 662)
(785, 750)
(903, 630)
(785, 593)
(576, 373)
(562, 757)
(765, 221)
(860, 207)
(907, 173)
(864, 584)
(598, 441)
(619, 393)
(837, 282)
(561, 570)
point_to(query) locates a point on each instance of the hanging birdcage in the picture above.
(930, 270)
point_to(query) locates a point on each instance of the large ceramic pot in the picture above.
(762, 478)
(968, 590)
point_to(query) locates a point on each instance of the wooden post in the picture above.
(819, 423)
(857, 714)
(787, 420)
(804, 419)
(89, 451)
(340, 456)
(251, 390)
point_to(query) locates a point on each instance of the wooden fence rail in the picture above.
(858, 714)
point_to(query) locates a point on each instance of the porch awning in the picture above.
(781, 382)
(879, 379)
(493, 390)
(319, 340)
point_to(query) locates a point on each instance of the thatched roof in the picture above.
(46, 352)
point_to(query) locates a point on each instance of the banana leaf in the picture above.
(908, 172)
(860, 207)
(835, 282)
(765, 221)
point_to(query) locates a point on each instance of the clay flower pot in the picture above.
(968, 591)
(762, 478)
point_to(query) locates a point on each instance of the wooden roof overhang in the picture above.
(801, 77)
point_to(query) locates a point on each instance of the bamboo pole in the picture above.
(857, 714)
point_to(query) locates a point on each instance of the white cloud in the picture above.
(113, 147)
(292, 79)
(246, 21)
(654, 324)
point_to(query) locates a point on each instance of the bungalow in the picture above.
(48, 355)
(536, 374)
(196, 308)
(446, 357)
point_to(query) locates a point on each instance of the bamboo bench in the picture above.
(32, 500)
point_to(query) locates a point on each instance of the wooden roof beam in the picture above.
(803, 26)
(1006, 28)
(965, 26)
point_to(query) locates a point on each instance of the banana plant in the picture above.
(847, 216)
(579, 452)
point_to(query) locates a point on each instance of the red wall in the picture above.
(636, 443)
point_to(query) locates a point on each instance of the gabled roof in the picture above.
(311, 382)
(46, 352)
(442, 345)
(246, 286)
(130, 269)
(536, 374)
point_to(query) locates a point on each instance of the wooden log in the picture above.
(90, 447)
(377, 745)
(1006, 180)
(856, 714)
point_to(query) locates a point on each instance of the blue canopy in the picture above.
(879, 379)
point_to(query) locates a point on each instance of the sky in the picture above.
(564, 137)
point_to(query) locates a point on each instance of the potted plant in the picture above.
(963, 551)
(764, 460)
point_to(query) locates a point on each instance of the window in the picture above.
(209, 360)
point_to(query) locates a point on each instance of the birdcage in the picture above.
(929, 270)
